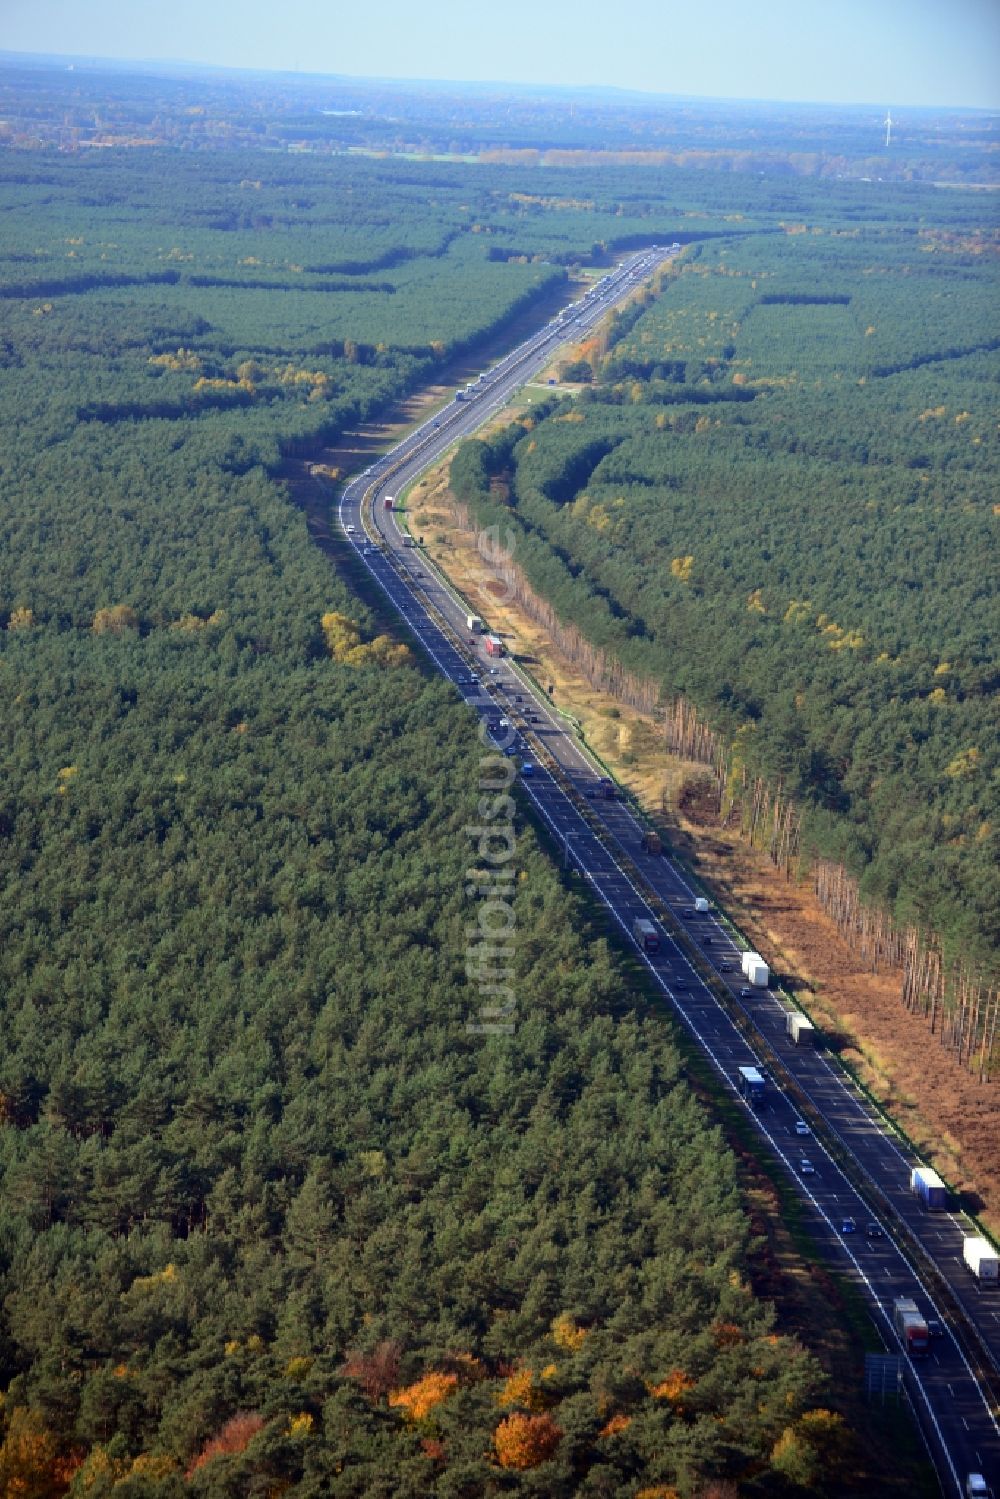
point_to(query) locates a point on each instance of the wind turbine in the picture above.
(888, 128)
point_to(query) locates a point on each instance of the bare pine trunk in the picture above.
(965, 1017)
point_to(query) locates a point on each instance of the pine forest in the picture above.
(273, 1221)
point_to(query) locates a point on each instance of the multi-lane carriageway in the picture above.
(860, 1169)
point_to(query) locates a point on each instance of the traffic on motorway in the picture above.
(841, 1155)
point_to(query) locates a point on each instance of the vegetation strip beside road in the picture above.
(627, 741)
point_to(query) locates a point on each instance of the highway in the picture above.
(843, 1159)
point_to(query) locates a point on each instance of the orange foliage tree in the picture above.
(673, 1387)
(31, 1465)
(233, 1438)
(526, 1441)
(418, 1400)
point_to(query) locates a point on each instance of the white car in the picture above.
(351, 530)
(806, 1168)
(801, 1127)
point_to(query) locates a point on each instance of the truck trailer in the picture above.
(651, 842)
(911, 1326)
(981, 1258)
(701, 905)
(389, 501)
(752, 1085)
(494, 645)
(755, 969)
(646, 935)
(800, 1028)
(928, 1186)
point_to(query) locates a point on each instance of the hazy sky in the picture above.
(892, 52)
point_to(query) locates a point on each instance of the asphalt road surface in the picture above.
(849, 1167)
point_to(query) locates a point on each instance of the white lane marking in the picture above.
(408, 585)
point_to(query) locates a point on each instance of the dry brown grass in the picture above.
(943, 1109)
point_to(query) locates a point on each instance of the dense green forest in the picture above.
(779, 499)
(274, 1220)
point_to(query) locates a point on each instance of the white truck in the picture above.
(473, 624)
(976, 1487)
(800, 1028)
(701, 905)
(981, 1258)
(928, 1186)
(755, 970)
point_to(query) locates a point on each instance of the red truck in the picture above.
(646, 935)
(911, 1326)
(494, 645)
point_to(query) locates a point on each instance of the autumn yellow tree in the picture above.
(524, 1389)
(810, 1448)
(117, 620)
(343, 641)
(566, 1334)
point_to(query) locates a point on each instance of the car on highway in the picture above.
(725, 967)
(800, 1127)
(350, 530)
(746, 992)
(848, 1226)
(935, 1328)
(535, 717)
(874, 1230)
(687, 913)
(806, 1168)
